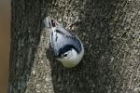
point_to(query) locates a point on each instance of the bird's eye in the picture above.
(65, 55)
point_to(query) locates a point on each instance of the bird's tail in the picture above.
(49, 22)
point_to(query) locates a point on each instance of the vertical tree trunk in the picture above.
(110, 31)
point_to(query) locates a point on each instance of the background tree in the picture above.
(110, 31)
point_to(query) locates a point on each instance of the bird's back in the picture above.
(62, 41)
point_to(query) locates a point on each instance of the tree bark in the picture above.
(109, 30)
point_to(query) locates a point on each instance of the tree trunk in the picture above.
(110, 31)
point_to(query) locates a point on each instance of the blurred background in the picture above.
(4, 43)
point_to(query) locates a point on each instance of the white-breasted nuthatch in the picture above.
(67, 48)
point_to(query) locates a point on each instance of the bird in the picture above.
(67, 48)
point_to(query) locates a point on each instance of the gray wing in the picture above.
(63, 31)
(62, 40)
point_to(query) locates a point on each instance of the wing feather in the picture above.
(62, 40)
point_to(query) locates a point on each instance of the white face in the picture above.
(71, 58)
(67, 54)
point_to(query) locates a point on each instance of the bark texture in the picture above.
(110, 31)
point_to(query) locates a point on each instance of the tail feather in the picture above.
(49, 22)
